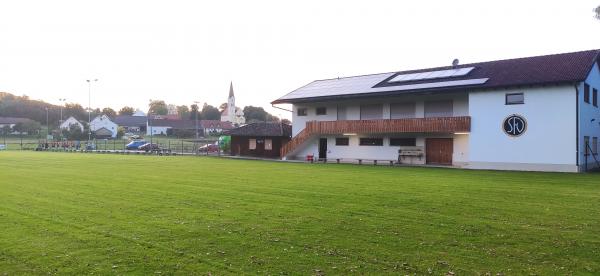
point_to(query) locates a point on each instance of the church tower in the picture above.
(231, 104)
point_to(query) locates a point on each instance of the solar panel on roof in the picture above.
(432, 75)
(439, 84)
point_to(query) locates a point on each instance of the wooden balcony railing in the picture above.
(413, 125)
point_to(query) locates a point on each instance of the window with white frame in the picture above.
(268, 144)
(252, 144)
(515, 98)
(302, 111)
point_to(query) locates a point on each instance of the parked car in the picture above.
(210, 148)
(149, 147)
(134, 145)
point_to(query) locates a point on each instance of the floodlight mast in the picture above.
(90, 108)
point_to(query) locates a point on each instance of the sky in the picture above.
(186, 51)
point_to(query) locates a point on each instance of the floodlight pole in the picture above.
(61, 116)
(90, 108)
(149, 122)
(47, 125)
(196, 119)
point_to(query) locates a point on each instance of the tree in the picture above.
(183, 111)
(255, 114)
(222, 106)
(120, 132)
(158, 108)
(109, 112)
(210, 112)
(126, 110)
(5, 130)
(74, 132)
(194, 114)
(597, 11)
(75, 110)
(286, 121)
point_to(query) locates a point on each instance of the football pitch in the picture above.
(76, 213)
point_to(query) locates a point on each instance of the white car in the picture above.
(2, 147)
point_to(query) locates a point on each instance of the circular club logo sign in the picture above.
(514, 125)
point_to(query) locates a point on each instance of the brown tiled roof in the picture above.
(215, 124)
(190, 124)
(177, 124)
(537, 70)
(269, 129)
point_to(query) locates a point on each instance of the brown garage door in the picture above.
(438, 151)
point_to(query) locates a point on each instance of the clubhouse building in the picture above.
(536, 113)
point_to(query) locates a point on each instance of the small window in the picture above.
(586, 93)
(302, 111)
(595, 145)
(321, 110)
(515, 98)
(595, 97)
(371, 141)
(403, 142)
(252, 144)
(586, 144)
(268, 144)
(342, 141)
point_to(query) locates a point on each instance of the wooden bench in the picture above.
(360, 161)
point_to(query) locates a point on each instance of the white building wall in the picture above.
(548, 142)
(156, 130)
(587, 113)
(71, 121)
(104, 122)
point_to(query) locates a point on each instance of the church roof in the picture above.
(231, 90)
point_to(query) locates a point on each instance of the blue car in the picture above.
(134, 145)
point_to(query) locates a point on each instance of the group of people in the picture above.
(59, 145)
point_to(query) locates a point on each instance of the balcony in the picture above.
(413, 125)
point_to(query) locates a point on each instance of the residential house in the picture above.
(71, 121)
(134, 124)
(536, 113)
(157, 125)
(214, 127)
(104, 127)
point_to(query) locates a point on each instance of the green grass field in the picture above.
(74, 213)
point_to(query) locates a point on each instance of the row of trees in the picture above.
(24, 107)
(208, 112)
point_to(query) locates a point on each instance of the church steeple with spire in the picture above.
(232, 113)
